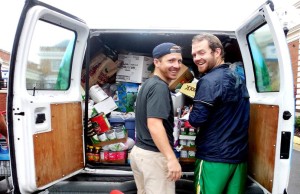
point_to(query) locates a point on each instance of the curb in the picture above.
(296, 143)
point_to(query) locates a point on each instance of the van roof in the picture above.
(156, 14)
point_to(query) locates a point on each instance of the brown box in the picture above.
(184, 75)
(101, 68)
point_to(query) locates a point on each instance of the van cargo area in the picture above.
(112, 45)
(114, 42)
(105, 51)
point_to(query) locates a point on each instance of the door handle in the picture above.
(20, 113)
(286, 115)
(40, 118)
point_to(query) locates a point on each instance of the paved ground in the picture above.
(294, 183)
(3, 185)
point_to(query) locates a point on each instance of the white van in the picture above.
(46, 123)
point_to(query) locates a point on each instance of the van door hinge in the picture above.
(286, 115)
(20, 113)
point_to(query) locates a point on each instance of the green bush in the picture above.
(297, 122)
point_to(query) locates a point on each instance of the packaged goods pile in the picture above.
(112, 93)
(113, 88)
(184, 136)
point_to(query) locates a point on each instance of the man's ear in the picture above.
(218, 51)
(156, 62)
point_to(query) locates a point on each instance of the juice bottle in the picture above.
(90, 154)
(97, 154)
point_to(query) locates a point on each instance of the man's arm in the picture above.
(159, 136)
(199, 114)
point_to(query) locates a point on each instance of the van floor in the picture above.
(103, 184)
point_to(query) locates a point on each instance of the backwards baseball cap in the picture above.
(164, 49)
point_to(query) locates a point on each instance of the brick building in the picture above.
(4, 62)
(293, 39)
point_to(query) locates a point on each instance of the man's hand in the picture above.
(174, 169)
(159, 136)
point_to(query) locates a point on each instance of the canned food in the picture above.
(192, 131)
(101, 124)
(184, 131)
(119, 130)
(183, 154)
(191, 154)
(111, 135)
(190, 143)
(102, 137)
(91, 134)
(183, 142)
(120, 133)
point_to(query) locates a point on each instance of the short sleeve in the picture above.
(158, 101)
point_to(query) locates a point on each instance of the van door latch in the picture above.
(20, 113)
(286, 115)
(40, 118)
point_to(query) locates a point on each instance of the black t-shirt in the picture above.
(153, 101)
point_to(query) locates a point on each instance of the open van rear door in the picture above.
(270, 83)
(44, 109)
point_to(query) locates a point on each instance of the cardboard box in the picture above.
(106, 106)
(184, 75)
(188, 89)
(177, 100)
(134, 68)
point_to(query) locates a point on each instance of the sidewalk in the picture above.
(296, 143)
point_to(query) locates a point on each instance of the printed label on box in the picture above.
(134, 68)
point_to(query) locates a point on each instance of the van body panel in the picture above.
(263, 44)
(136, 14)
(44, 116)
(46, 120)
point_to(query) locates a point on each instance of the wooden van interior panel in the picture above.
(59, 152)
(262, 143)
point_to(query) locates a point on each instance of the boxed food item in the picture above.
(177, 100)
(126, 96)
(101, 69)
(134, 68)
(188, 89)
(184, 76)
(106, 106)
(97, 93)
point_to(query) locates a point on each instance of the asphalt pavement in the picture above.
(294, 181)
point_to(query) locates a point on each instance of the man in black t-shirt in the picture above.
(152, 159)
